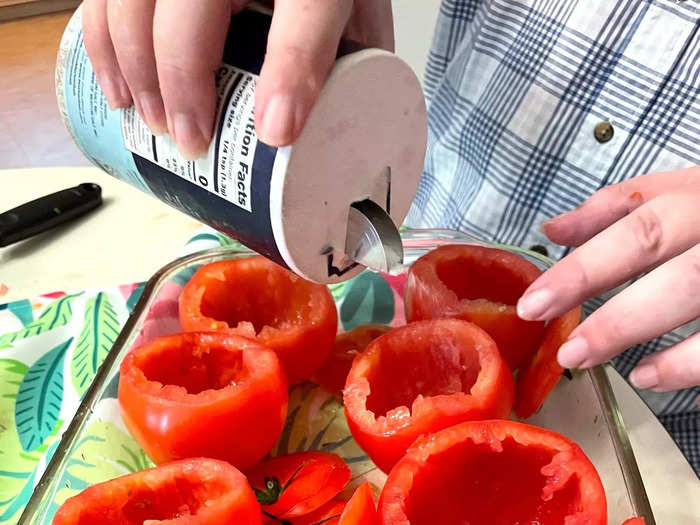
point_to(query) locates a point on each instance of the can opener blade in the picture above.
(372, 238)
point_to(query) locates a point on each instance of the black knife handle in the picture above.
(47, 212)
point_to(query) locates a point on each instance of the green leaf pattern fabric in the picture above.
(100, 329)
(44, 343)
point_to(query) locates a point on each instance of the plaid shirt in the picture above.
(523, 98)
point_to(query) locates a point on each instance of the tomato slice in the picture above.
(189, 492)
(203, 394)
(634, 521)
(328, 514)
(360, 510)
(539, 377)
(334, 370)
(294, 485)
(256, 298)
(420, 378)
(488, 472)
(477, 284)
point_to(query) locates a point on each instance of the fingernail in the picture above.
(150, 106)
(278, 121)
(534, 304)
(124, 93)
(573, 353)
(190, 140)
(644, 376)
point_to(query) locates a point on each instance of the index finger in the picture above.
(613, 202)
(188, 42)
(655, 232)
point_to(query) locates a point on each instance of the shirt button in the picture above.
(539, 249)
(603, 132)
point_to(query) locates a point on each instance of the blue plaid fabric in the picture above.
(515, 89)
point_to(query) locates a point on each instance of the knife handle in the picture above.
(48, 212)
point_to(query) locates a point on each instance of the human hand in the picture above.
(171, 80)
(650, 223)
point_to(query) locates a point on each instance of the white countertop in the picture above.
(132, 235)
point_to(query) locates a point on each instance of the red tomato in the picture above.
(360, 510)
(477, 284)
(203, 394)
(189, 492)
(256, 298)
(334, 370)
(493, 472)
(294, 485)
(421, 378)
(634, 521)
(537, 378)
(328, 514)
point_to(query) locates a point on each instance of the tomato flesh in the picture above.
(203, 394)
(328, 514)
(634, 521)
(478, 284)
(294, 485)
(539, 377)
(360, 510)
(188, 492)
(256, 298)
(420, 378)
(490, 473)
(334, 371)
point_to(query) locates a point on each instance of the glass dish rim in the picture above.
(413, 239)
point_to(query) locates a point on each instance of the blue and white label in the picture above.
(95, 127)
(226, 170)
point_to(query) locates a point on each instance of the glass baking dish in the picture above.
(96, 446)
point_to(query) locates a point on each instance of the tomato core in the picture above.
(487, 279)
(274, 308)
(507, 488)
(196, 369)
(420, 367)
(176, 498)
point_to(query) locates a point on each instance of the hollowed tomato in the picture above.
(478, 284)
(188, 492)
(493, 472)
(420, 378)
(203, 394)
(256, 298)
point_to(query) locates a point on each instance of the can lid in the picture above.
(339, 192)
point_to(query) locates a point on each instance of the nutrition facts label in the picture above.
(227, 168)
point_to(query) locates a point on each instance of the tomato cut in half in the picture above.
(488, 472)
(334, 370)
(420, 378)
(634, 521)
(478, 284)
(361, 509)
(203, 394)
(539, 377)
(294, 485)
(256, 298)
(188, 492)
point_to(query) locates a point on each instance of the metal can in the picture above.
(321, 207)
